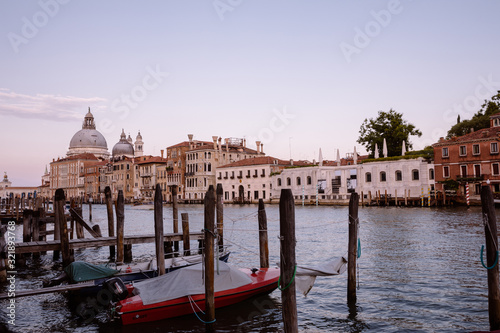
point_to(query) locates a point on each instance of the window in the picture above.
(431, 173)
(298, 181)
(477, 170)
(368, 177)
(288, 181)
(399, 175)
(463, 170)
(445, 152)
(263, 194)
(494, 148)
(415, 175)
(446, 171)
(256, 195)
(475, 149)
(383, 176)
(309, 180)
(495, 169)
(279, 181)
(463, 150)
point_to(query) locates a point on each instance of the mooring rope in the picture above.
(191, 301)
(482, 260)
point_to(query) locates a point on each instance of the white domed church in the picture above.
(88, 140)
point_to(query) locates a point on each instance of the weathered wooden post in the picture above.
(185, 234)
(396, 197)
(209, 202)
(490, 229)
(90, 208)
(406, 198)
(385, 198)
(3, 254)
(111, 222)
(120, 224)
(287, 262)
(17, 202)
(35, 229)
(369, 198)
(220, 217)
(263, 241)
(352, 249)
(362, 199)
(160, 251)
(60, 219)
(175, 210)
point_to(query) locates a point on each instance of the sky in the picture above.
(296, 75)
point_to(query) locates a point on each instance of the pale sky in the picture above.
(294, 74)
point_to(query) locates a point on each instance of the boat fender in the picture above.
(128, 270)
(116, 287)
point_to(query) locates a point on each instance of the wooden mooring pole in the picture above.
(120, 226)
(90, 209)
(220, 217)
(185, 234)
(175, 210)
(352, 249)
(287, 261)
(263, 240)
(111, 222)
(209, 202)
(160, 251)
(3, 254)
(60, 219)
(490, 229)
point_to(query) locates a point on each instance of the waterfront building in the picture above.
(396, 177)
(250, 179)
(202, 162)
(146, 171)
(92, 181)
(469, 159)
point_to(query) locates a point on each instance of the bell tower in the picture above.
(139, 145)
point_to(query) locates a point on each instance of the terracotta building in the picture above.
(472, 158)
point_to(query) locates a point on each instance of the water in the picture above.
(419, 271)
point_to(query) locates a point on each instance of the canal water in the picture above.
(419, 271)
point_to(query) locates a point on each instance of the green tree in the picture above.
(391, 126)
(480, 120)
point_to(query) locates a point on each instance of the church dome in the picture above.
(123, 147)
(88, 140)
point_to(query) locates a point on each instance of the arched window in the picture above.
(209, 167)
(431, 173)
(399, 175)
(288, 181)
(279, 181)
(368, 177)
(298, 181)
(383, 176)
(309, 180)
(415, 175)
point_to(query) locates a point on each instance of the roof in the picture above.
(485, 134)
(153, 159)
(261, 160)
(186, 144)
(84, 156)
(231, 148)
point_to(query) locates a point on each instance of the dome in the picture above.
(123, 147)
(88, 140)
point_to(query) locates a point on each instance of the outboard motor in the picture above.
(116, 287)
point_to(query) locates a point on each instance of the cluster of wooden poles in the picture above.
(427, 199)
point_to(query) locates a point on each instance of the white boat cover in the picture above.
(188, 281)
(306, 275)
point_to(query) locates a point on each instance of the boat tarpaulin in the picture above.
(306, 275)
(80, 271)
(188, 281)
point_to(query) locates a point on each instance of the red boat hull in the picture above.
(132, 310)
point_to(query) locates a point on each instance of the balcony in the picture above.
(470, 178)
(232, 177)
(255, 176)
(263, 175)
(240, 176)
(248, 176)
(146, 174)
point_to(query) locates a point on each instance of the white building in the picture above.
(248, 180)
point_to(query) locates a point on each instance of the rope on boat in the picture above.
(359, 247)
(482, 260)
(191, 301)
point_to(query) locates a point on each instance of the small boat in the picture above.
(182, 292)
(79, 271)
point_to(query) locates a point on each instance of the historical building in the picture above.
(470, 159)
(250, 179)
(88, 140)
(202, 162)
(146, 173)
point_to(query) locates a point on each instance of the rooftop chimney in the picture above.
(220, 143)
(227, 144)
(161, 153)
(214, 138)
(257, 143)
(244, 142)
(190, 137)
(262, 148)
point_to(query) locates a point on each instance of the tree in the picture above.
(391, 126)
(480, 120)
